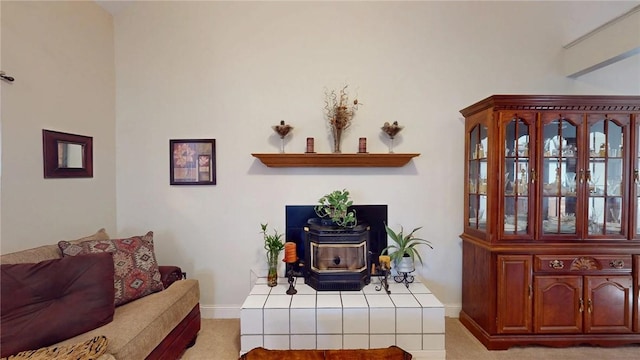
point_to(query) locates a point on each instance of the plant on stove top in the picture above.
(335, 206)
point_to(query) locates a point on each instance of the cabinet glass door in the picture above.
(559, 174)
(477, 170)
(517, 173)
(605, 176)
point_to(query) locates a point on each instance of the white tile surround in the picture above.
(412, 319)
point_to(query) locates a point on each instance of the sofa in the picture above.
(107, 298)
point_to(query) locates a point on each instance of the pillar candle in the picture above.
(290, 254)
(362, 145)
(310, 145)
(385, 262)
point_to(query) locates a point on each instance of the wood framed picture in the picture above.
(192, 162)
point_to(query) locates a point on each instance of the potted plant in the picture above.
(404, 249)
(335, 206)
(274, 245)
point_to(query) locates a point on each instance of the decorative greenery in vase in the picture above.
(404, 246)
(339, 112)
(274, 245)
(335, 206)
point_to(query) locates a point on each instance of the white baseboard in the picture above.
(220, 311)
(428, 354)
(452, 310)
(233, 311)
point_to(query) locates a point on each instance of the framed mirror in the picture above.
(67, 155)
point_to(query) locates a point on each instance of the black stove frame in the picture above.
(336, 258)
(297, 217)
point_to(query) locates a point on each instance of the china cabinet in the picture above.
(551, 241)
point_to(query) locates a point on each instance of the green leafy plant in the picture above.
(272, 243)
(335, 206)
(404, 245)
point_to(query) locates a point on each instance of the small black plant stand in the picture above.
(404, 277)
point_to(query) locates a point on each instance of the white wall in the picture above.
(62, 57)
(231, 70)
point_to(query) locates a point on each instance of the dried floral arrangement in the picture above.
(339, 112)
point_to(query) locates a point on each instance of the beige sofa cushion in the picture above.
(46, 252)
(140, 325)
(91, 349)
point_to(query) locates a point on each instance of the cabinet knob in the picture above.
(617, 264)
(556, 264)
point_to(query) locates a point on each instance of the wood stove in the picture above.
(297, 221)
(336, 258)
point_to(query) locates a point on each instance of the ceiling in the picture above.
(113, 6)
(580, 17)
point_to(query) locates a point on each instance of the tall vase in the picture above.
(337, 137)
(272, 262)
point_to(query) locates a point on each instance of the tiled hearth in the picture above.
(412, 319)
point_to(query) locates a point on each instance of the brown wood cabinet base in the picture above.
(504, 342)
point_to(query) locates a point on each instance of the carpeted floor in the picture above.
(219, 339)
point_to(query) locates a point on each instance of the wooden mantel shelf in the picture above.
(335, 160)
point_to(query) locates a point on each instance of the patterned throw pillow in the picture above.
(136, 268)
(88, 350)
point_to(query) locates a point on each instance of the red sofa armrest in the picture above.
(170, 274)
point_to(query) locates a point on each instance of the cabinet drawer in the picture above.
(582, 263)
